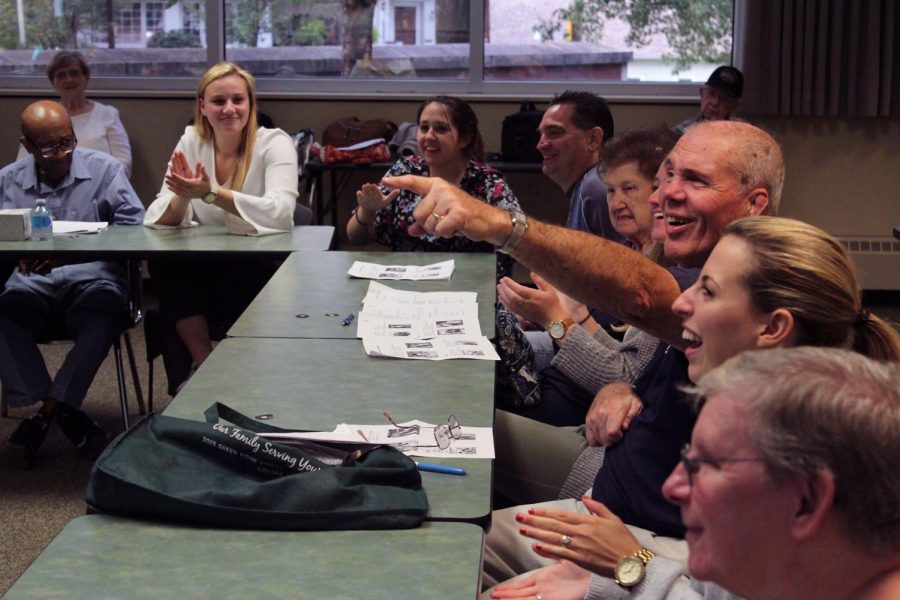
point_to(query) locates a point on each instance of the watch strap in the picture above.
(519, 226)
(645, 555)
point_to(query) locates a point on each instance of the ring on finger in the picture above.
(538, 597)
(437, 217)
(565, 541)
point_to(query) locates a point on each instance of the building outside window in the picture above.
(475, 43)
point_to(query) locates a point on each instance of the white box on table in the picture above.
(15, 224)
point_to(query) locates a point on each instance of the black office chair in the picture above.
(162, 341)
(302, 215)
(135, 315)
(154, 348)
(303, 142)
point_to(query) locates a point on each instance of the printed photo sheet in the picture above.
(440, 348)
(420, 322)
(438, 271)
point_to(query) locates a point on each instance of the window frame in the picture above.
(476, 87)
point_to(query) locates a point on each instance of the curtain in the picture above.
(822, 57)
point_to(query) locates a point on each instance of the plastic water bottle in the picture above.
(41, 221)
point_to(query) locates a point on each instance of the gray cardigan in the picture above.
(592, 361)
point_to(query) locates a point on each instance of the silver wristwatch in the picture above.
(519, 225)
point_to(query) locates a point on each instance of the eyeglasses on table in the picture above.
(443, 433)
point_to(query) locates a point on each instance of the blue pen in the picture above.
(424, 466)
(347, 320)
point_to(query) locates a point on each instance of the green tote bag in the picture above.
(227, 475)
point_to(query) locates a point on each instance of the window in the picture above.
(568, 40)
(465, 47)
(405, 39)
(137, 22)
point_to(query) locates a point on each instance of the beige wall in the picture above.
(842, 174)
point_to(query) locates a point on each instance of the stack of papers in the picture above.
(437, 271)
(422, 325)
(78, 227)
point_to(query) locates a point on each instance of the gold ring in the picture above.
(437, 217)
(566, 540)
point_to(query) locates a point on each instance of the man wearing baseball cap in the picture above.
(719, 98)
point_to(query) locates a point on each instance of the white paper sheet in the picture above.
(437, 271)
(474, 442)
(444, 348)
(381, 295)
(420, 322)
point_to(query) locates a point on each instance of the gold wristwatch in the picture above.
(631, 569)
(558, 329)
(213, 193)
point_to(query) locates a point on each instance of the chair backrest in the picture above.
(6, 269)
(304, 140)
(302, 215)
(135, 291)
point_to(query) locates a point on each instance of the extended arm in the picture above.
(600, 273)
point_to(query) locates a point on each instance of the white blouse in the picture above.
(269, 195)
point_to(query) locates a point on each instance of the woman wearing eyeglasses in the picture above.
(97, 126)
(769, 283)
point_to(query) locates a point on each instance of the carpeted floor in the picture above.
(36, 504)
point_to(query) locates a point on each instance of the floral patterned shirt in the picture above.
(479, 180)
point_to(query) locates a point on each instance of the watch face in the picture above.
(557, 330)
(629, 571)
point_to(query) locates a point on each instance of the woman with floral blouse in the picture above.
(450, 147)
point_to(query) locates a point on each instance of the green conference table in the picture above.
(320, 288)
(315, 384)
(129, 242)
(99, 556)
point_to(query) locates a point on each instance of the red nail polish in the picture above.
(523, 531)
(520, 517)
(531, 511)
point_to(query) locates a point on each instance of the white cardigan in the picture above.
(100, 129)
(266, 203)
